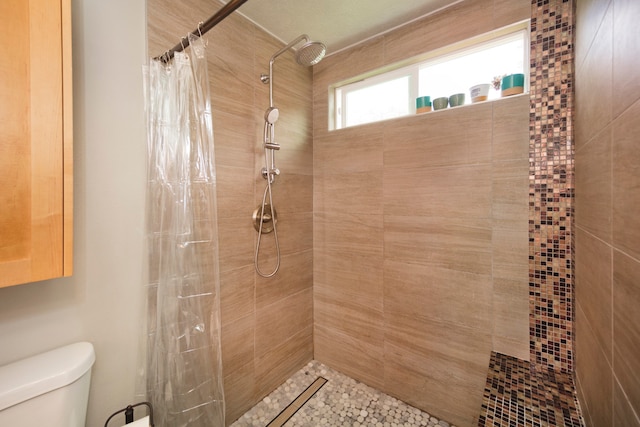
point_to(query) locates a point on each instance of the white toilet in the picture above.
(50, 389)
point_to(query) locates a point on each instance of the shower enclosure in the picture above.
(266, 324)
(386, 266)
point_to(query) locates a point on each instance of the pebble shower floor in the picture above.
(341, 401)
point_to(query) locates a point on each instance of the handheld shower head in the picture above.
(271, 115)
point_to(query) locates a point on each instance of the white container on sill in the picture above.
(479, 92)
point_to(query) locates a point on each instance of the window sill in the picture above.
(470, 105)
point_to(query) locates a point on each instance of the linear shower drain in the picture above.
(297, 403)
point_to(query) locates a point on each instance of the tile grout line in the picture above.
(291, 409)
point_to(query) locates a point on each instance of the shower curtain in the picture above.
(183, 369)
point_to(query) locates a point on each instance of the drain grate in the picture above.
(298, 403)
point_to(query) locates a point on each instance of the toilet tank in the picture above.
(50, 389)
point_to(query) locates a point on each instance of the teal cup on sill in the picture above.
(423, 104)
(512, 84)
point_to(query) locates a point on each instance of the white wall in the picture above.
(101, 302)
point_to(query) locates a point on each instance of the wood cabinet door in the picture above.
(35, 138)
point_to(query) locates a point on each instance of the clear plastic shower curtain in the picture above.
(183, 369)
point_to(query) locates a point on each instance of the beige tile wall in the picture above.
(266, 323)
(607, 203)
(421, 230)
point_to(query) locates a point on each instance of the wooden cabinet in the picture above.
(36, 157)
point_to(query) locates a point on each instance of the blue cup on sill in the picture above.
(512, 84)
(423, 104)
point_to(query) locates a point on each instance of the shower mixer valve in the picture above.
(271, 174)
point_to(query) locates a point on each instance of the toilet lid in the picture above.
(31, 377)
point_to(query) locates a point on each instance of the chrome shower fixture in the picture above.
(265, 217)
(310, 53)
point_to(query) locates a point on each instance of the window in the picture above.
(376, 99)
(454, 69)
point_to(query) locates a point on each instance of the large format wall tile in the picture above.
(233, 139)
(237, 343)
(280, 362)
(510, 188)
(348, 315)
(350, 150)
(626, 318)
(589, 13)
(626, 54)
(626, 181)
(594, 186)
(448, 138)
(506, 12)
(238, 292)
(460, 22)
(292, 193)
(356, 193)
(594, 101)
(455, 244)
(239, 386)
(357, 358)
(429, 291)
(438, 366)
(236, 184)
(510, 210)
(593, 264)
(349, 256)
(296, 275)
(446, 192)
(623, 412)
(510, 317)
(281, 320)
(607, 202)
(594, 373)
(510, 133)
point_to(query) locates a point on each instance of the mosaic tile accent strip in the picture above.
(516, 395)
(342, 401)
(551, 188)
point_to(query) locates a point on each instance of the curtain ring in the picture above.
(166, 57)
(204, 42)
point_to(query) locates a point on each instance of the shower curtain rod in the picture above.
(224, 11)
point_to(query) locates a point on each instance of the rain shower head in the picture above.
(310, 53)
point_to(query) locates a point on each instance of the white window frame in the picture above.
(342, 92)
(338, 92)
